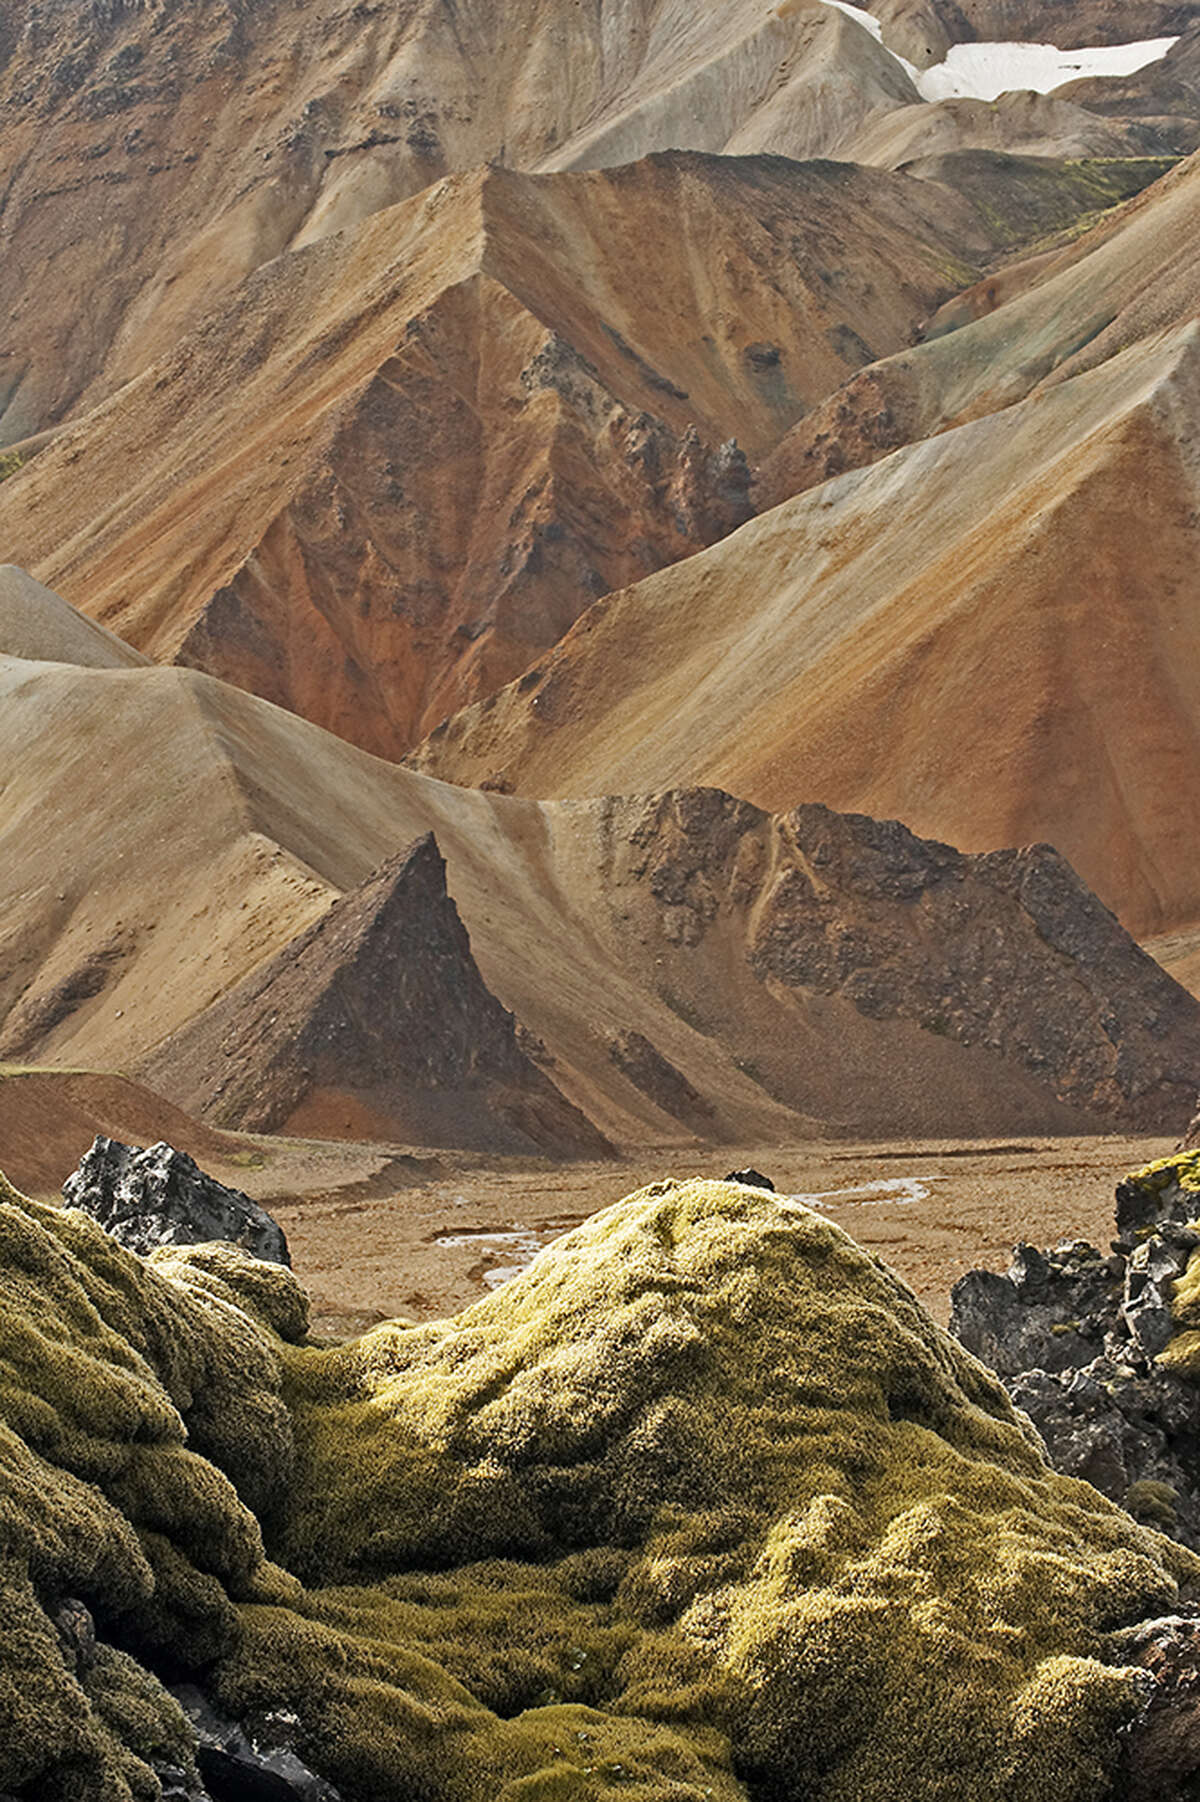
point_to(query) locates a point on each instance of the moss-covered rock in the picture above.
(703, 1505)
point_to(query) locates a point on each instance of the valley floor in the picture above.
(376, 1239)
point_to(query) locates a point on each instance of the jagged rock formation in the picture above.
(377, 1009)
(1100, 1351)
(160, 1196)
(684, 1511)
(1191, 1138)
(842, 904)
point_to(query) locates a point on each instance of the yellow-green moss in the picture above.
(1182, 1354)
(702, 1501)
(826, 1532)
(113, 1376)
(1181, 1167)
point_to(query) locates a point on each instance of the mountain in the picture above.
(398, 465)
(990, 634)
(242, 924)
(377, 1009)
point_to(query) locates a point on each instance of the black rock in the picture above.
(162, 1197)
(1160, 1754)
(77, 1634)
(751, 1179)
(238, 1766)
(1076, 1336)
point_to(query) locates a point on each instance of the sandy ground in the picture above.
(424, 1239)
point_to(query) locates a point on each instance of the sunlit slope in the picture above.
(399, 464)
(992, 635)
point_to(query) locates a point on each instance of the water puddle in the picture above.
(904, 1189)
(517, 1246)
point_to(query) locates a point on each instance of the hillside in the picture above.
(450, 428)
(1025, 583)
(676, 968)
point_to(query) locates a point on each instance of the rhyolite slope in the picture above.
(700, 1506)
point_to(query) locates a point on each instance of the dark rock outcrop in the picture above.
(1008, 952)
(259, 1765)
(374, 1022)
(160, 1196)
(1096, 1348)
(1161, 1753)
(657, 1077)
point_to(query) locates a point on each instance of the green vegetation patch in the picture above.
(702, 1506)
(1032, 202)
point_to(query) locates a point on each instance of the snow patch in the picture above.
(985, 71)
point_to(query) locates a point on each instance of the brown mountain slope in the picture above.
(682, 966)
(401, 462)
(1031, 325)
(992, 635)
(377, 1010)
(156, 156)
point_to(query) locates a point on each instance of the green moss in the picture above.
(1151, 1502)
(837, 1543)
(702, 1503)
(10, 463)
(113, 1377)
(1182, 1168)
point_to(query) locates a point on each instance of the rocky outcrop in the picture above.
(1161, 1753)
(701, 1504)
(374, 1022)
(1099, 1350)
(160, 1196)
(1007, 951)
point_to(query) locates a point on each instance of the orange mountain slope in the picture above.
(400, 463)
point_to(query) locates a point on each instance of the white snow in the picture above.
(985, 71)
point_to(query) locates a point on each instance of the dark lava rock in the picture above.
(161, 1197)
(1160, 1758)
(752, 1179)
(77, 1634)
(256, 1766)
(1076, 1336)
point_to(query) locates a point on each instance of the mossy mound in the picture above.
(703, 1505)
(134, 1406)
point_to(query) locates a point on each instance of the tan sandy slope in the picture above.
(991, 635)
(677, 968)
